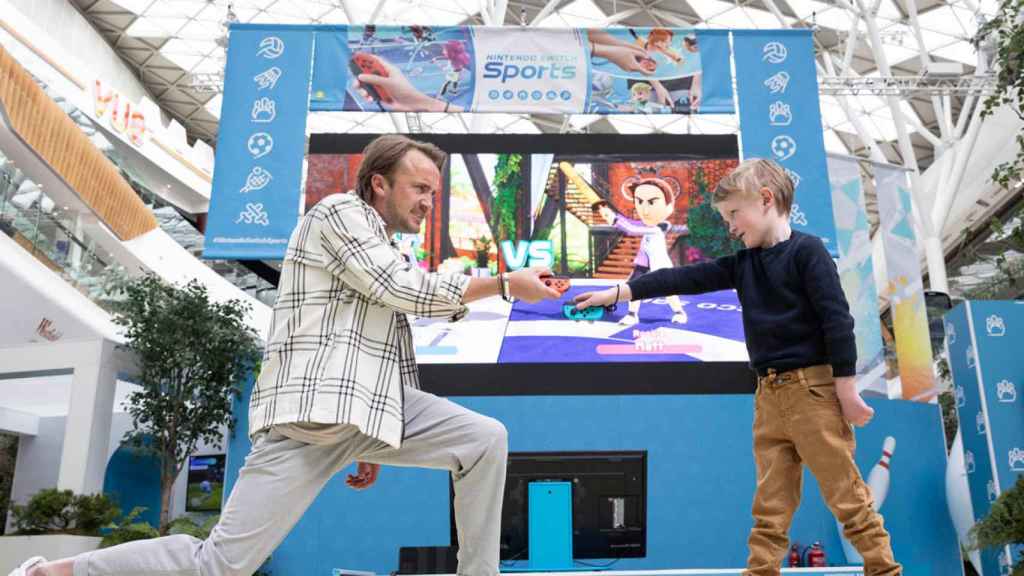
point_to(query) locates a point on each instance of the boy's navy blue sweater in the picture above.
(794, 311)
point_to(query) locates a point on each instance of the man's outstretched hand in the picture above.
(365, 476)
(528, 284)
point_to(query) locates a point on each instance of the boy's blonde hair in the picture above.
(750, 176)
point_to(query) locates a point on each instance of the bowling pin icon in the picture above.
(878, 485)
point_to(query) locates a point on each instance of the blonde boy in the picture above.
(799, 335)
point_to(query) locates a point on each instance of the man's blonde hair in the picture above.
(750, 176)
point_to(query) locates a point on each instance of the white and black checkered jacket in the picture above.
(340, 348)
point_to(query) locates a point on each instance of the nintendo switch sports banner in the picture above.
(522, 70)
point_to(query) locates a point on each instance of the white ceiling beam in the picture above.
(619, 17)
(941, 112)
(376, 11)
(854, 118)
(947, 116)
(348, 11)
(851, 45)
(920, 128)
(485, 12)
(971, 5)
(545, 12)
(933, 243)
(500, 9)
(672, 18)
(399, 121)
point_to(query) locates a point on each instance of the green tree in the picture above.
(192, 353)
(708, 231)
(1004, 524)
(8, 456)
(1004, 36)
(507, 183)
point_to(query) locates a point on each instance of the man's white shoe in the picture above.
(26, 565)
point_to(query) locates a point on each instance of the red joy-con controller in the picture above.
(560, 283)
(366, 63)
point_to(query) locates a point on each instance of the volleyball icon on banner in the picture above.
(774, 53)
(783, 147)
(270, 47)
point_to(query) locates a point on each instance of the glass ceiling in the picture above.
(195, 30)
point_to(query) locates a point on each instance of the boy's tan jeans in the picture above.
(798, 420)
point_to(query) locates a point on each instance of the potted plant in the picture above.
(482, 248)
(56, 524)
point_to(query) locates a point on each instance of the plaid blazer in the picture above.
(340, 349)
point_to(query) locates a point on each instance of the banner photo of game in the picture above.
(856, 273)
(254, 203)
(667, 75)
(595, 220)
(780, 119)
(904, 286)
(521, 70)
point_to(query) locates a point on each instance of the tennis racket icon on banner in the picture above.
(257, 179)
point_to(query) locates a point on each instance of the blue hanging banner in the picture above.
(261, 142)
(522, 70)
(777, 94)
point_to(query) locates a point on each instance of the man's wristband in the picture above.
(505, 286)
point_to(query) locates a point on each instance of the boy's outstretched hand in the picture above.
(605, 297)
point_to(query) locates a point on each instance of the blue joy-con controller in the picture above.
(589, 314)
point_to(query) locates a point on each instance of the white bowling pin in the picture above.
(958, 497)
(878, 485)
(878, 478)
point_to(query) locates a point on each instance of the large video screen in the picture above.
(598, 209)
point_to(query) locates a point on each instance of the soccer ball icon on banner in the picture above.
(783, 147)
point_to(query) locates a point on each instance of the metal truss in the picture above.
(906, 85)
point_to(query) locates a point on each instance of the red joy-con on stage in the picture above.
(560, 283)
(366, 63)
